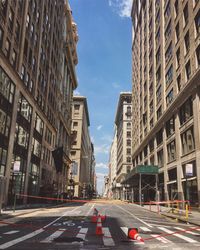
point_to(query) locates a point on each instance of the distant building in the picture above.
(123, 142)
(37, 78)
(166, 94)
(82, 148)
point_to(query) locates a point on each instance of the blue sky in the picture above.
(104, 68)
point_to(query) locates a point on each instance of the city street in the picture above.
(70, 227)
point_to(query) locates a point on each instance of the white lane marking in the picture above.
(145, 229)
(82, 233)
(53, 236)
(188, 232)
(134, 216)
(125, 230)
(16, 241)
(107, 238)
(162, 239)
(90, 210)
(178, 235)
(12, 232)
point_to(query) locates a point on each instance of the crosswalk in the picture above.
(159, 235)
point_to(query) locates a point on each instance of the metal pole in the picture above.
(140, 190)
(132, 196)
(14, 205)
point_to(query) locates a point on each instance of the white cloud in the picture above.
(99, 127)
(122, 7)
(76, 92)
(107, 138)
(102, 149)
(116, 85)
(101, 165)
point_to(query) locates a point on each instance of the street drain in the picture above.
(68, 239)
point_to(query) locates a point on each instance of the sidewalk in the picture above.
(193, 217)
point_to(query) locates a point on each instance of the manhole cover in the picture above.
(68, 239)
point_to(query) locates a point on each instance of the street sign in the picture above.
(189, 170)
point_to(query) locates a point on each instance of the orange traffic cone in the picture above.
(94, 216)
(133, 234)
(99, 226)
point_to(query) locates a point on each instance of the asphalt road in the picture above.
(70, 227)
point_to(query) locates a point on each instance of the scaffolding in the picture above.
(141, 184)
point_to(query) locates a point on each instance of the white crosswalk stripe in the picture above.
(12, 232)
(107, 238)
(178, 235)
(145, 229)
(160, 238)
(56, 234)
(82, 233)
(188, 232)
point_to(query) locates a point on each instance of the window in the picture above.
(168, 31)
(128, 159)
(14, 58)
(128, 142)
(158, 75)
(170, 126)
(151, 123)
(171, 151)
(17, 31)
(1, 37)
(187, 42)
(158, 94)
(128, 151)
(7, 48)
(168, 53)
(185, 14)
(76, 107)
(170, 97)
(158, 57)
(128, 125)
(178, 80)
(24, 108)
(159, 137)
(176, 8)
(198, 56)
(159, 112)
(160, 158)
(7, 88)
(167, 12)
(187, 141)
(177, 33)
(186, 111)
(27, 79)
(197, 23)
(169, 75)
(21, 136)
(128, 133)
(151, 145)
(5, 122)
(178, 54)
(36, 147)
(23, 72)
(3, 160)
(10, 20)
(27, 20)
(188, 70)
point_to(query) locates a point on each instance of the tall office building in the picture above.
(123, 122)
(166, 94)
(37, 78)
(82, 152)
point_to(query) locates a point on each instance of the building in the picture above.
(123, 122)
(37, 78)
(166, 92)
(82, 149)
(113, 165)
